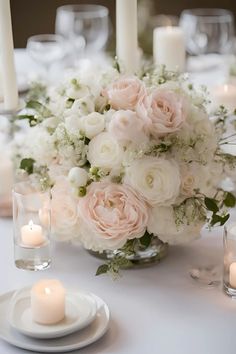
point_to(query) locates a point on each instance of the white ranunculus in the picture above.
(74, 124)
(156, 179)
(162, 224)
(93, 124)
(78, 177)
(104, 151)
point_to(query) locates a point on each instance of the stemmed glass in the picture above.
(46, 49)
(207, 31)
(84, 26)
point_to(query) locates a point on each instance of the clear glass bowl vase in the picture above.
(141, 256)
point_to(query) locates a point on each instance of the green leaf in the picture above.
(117, 65)
(39, 107)
(229, 200)
(102, 269)
(32, 119)
(27, 165)
(211, 204)
(146, 239)
(219, 219)
(69, 102)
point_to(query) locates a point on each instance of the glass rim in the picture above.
(85, 10)
(28, 193)
(210, 14)
(45, 37)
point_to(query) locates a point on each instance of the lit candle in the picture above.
(169, 48)
(127, 34)
(7, 66)
(224, 95)
(32, 235)
(48, 301)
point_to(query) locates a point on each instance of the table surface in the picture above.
(155, 310)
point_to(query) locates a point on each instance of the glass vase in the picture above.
(229, 274)
(142, 256)
(32, 220)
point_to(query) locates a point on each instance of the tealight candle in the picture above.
(48, 301)
(169, 47)
(224, 95)
(32, 235)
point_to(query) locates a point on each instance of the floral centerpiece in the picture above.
(129, 159)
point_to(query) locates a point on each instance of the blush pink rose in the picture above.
(125, 93)
(126, 126)
(110, 214)
(164, 112)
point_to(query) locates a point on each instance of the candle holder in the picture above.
(31, 218)
(229, 276)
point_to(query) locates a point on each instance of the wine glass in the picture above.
(208, 33)
(83, 26)
(46, 49)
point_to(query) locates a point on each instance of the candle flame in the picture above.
(31, 224)
(47, 291)
(226, 88)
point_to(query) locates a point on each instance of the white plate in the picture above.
(68, 343)
(80, 312)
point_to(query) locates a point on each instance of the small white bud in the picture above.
(78, 177)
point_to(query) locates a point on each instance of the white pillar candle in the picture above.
(7, 66)
(232, 274)
(127, 34)
(32, 235)
(48, 301)
(224, 95)
(169, 48)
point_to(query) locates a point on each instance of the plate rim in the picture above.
(59, 333)
(64, 348)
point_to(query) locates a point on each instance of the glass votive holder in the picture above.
(229, 275)
(32, 221)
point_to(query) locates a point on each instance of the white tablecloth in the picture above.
(154, 310)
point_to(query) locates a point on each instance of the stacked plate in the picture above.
(86, 320)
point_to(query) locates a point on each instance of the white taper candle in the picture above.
(7, 66)
(127, 34)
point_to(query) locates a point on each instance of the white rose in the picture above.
(156, 179)
(93, 124)
(78, 177)
(104, 151)
(162, 224)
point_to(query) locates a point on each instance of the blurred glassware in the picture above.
(208, 30)
(164, 21)
(147, 22)
(46, 49)
(85, 26)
